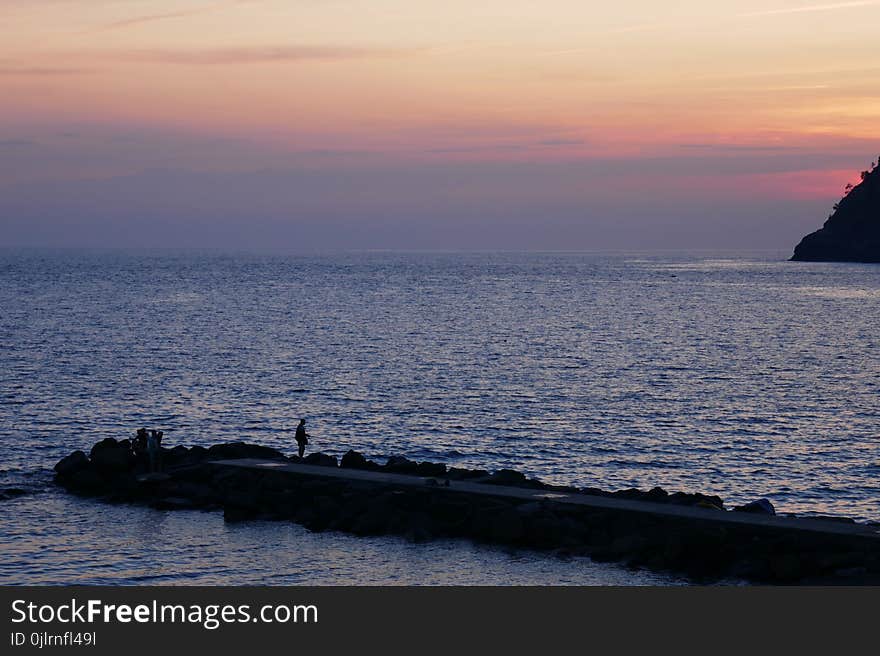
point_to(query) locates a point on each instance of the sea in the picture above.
(729, 373)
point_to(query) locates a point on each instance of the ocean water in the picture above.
(741, 375)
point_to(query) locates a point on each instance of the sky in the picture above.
(514, 124)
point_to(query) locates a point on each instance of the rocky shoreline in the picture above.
(635, 527)
(852, 232)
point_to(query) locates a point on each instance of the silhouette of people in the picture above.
(140, 441)
(302, 438)
(153, 440)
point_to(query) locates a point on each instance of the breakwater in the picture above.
(687, 533)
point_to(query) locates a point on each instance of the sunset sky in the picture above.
(407, 124)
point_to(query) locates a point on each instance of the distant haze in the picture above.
(517, 124)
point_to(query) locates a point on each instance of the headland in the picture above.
(852, 232)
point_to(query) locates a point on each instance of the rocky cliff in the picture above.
(852, 232)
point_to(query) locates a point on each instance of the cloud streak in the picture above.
(812, 8)
(39, 71)
(152, 18)
(170, 15)
(16, 143)
(230, 56)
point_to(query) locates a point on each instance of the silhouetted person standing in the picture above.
(153, 450)
(302, 438)
(140, 442)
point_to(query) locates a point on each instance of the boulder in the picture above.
(174, 503)
(115, 458)
(419, 527)
(244, 499)
(375, 518)
(106, 443)
(320, 459)
(198, 453)
(355, 460)
(198, 492)
(401, 465)
(543, 529)
(85, 480)
(505, 526)
(656, 494)
(631, 493)
(179, 455)
(507, 477)
(71, 464)
(431, 469)
(457, 474)
(236, 514)
(593, 491)
(685, 499)
(759, 507)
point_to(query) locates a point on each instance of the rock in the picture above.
(326, 507)
(236, 514)
(106, 443)
(85, 480)
(152, 478)
(656, 494)
(244, 499)
(112, 457)
(507, 477)
(632, 493)
(419, 527)
(401, 465)
(71, 464)
(371, 522)
(239, 450)
(198, 492)
(759, 507)
(505, 526)
(174, 503)
(787, 567)
(543, 530)
(593, 491)
(628, 545)
(531, 508)
(198, 453)
(685, 499)
(456, 474)
(355, 460)
(496, 521)
(852, 232)
(320, 459)
(177, 456)
(431, 469)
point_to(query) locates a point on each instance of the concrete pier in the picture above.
(686, 533)
(869, 533)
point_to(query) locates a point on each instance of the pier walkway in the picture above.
(778, 523)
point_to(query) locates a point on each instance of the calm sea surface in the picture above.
(739, 375)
